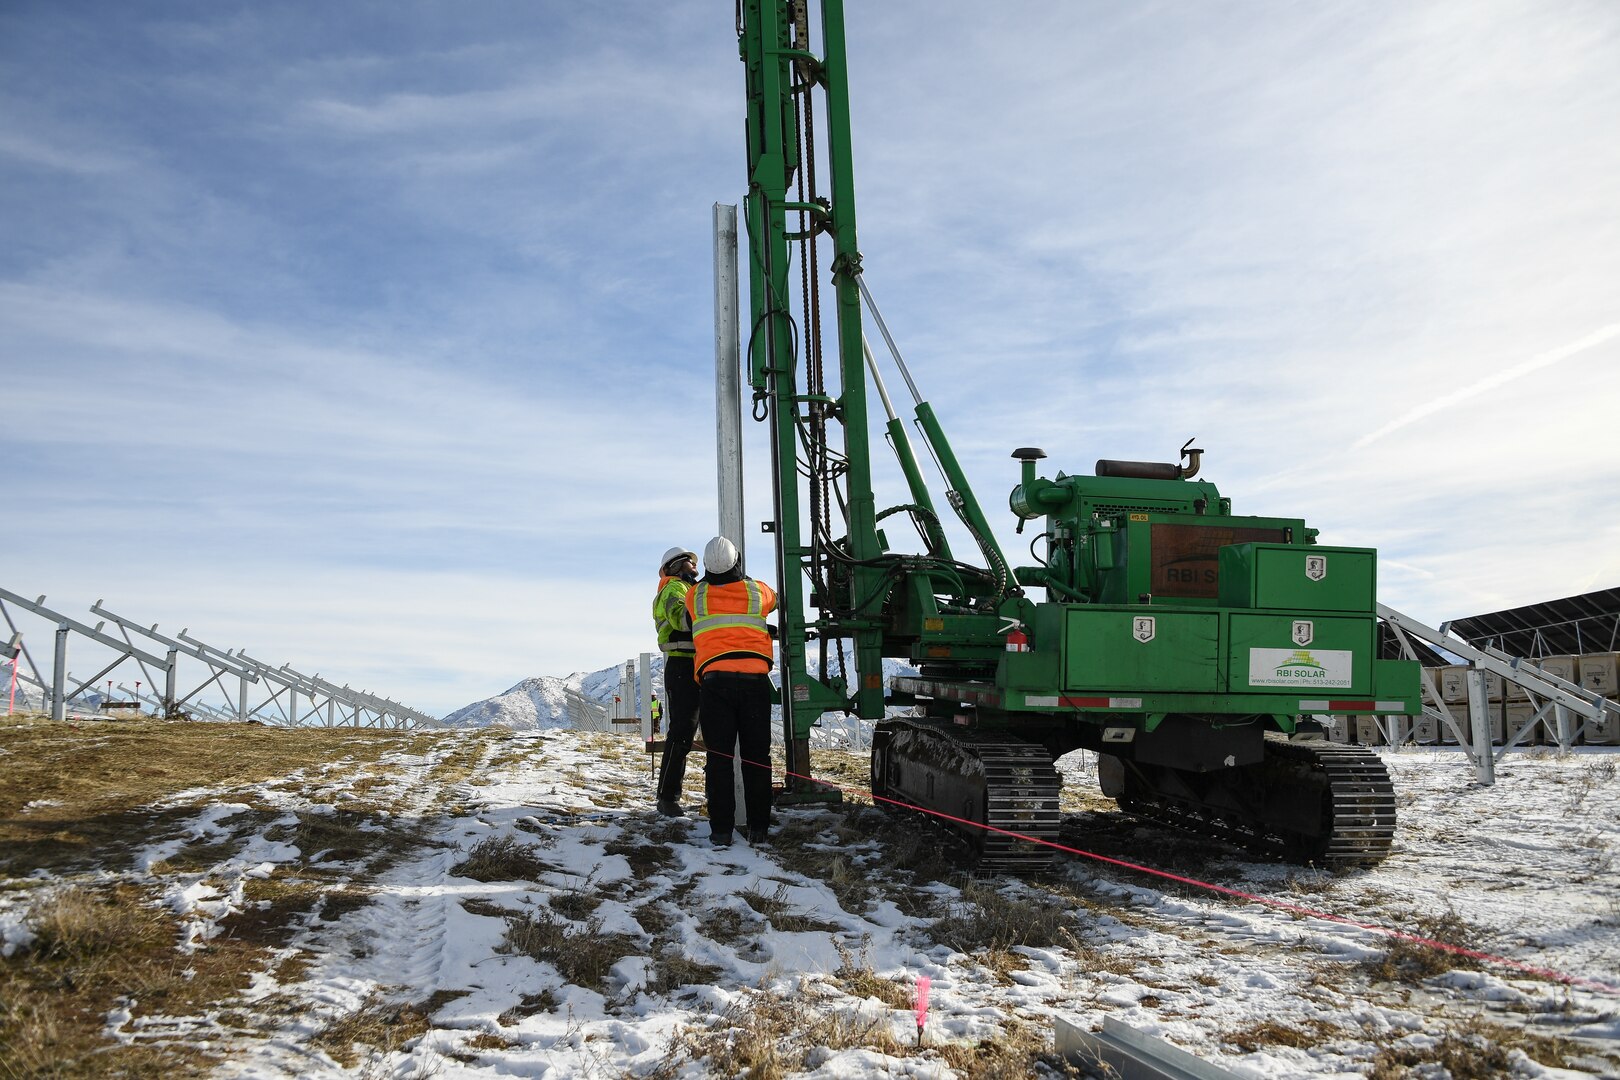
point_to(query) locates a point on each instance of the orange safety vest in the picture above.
(728, 623)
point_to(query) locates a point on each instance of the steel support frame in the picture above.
(218, 665)
(1572, 706)
(323, 699)
(65, 626)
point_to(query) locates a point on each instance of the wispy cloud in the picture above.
(1491, 382)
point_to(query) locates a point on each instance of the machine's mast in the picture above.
(830, 542)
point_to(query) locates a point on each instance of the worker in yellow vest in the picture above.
(676, 573)
(734, 658)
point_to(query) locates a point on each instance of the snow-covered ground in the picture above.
(706, 955)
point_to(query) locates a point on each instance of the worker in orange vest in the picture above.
(734, 657)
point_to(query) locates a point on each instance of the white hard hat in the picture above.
(719, 556)
(675, 553)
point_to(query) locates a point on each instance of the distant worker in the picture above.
(657, 713)
(676, 574)
(728, 612)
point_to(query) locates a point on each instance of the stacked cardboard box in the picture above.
(1336, 728)
(1454, 685)
(1425, 729)
(1598, 673)
(1367, 731)
(1521, 715)
(1459, 714)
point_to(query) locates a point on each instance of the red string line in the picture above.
(1282, 905)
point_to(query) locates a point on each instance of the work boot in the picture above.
(670, 808)
(721, 839)
(759, 835)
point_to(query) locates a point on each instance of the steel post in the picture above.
(644, 698)
(1479, 722)
(59, 676)
(170, 706)
(728, 377)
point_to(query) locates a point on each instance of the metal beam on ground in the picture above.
(1122, 1051)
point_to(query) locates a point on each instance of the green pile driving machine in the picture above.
(1190, 648)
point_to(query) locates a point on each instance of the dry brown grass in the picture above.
(1013, 1054)
(782, 913)
(530, 1005)
(91, 948)
(654, 917)
(1462, 1057)
(575, 904)
(1274, 1033)
(646, 860)
(989, 917)
(102, 780)
(673, 969)
(1478, 1038)
(501, 858)
(857, 978)
(846, 767)
(581, 953)
(383, 1026)
(797, 847)
(1408, 961)
(97, 789)
(770, 1035)
(377, 840)
(728, 926)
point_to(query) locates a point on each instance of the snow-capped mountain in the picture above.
(541, 701)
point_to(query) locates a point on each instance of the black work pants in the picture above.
(680, 688)
(736, 708)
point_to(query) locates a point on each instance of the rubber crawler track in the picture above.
(1019, 790)
(1361, 808)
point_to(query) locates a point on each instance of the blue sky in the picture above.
(377, 338)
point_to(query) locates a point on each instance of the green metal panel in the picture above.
(1141, 650)
(1399, 680)
(1299, 578)
(1300, 654)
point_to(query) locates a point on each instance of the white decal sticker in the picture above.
(1316, 567)
(1143, 627)
(1300, 667)
(1303, 632)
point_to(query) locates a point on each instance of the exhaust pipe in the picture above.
(1154, 470)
